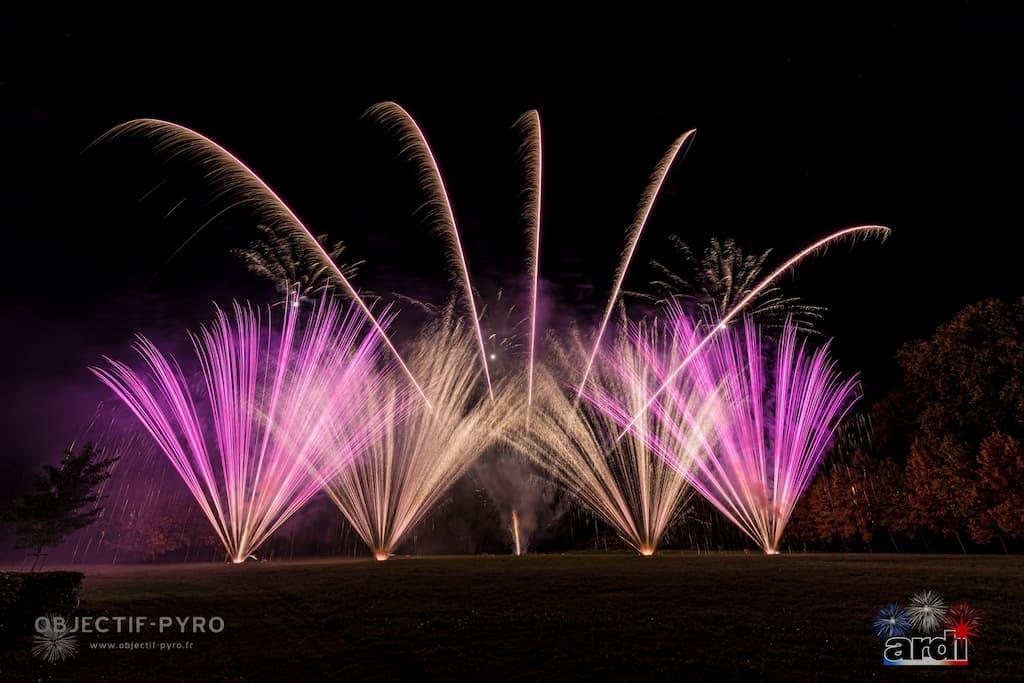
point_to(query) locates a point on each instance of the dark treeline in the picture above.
(941, 464)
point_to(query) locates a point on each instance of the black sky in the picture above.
(805, 125)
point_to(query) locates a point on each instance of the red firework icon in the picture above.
(963, 620)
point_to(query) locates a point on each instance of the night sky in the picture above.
(803, 128)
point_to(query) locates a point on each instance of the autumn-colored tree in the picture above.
(893, 425)
(940, 493)
(967, 380)
(1000, 490)
(965, 385)
(944, 458)
(851, 514)
(163, 536)
(125, 536)
(886, 487)
(813, 520)
(855, 501)
(874, 487)
(157, 535)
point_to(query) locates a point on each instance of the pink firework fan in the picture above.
(780, 404)
(256, 441)
(768, 414)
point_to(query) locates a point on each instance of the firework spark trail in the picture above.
(515, 532)
(533, 157)
(135, 455)
(414, 143)
(409, 465)
(820, 245)
(623, 482)
(278, 403)
(232, 178)
(139, 499)
(770, 429)
(634, 233)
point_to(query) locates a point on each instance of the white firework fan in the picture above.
(54, 643)
(927, 610)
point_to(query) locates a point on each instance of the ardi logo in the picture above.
(927, 632)
(944, 650)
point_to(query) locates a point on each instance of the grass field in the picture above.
(561, 617)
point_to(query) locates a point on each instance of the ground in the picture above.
(601, 616)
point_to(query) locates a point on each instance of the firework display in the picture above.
(410, 463)
(633, 235)
(516, 540)
(236, 186)
(722, 323)
(514, 346)
(771, 416)
(774, 426)
(624, 481)
(722, 275)
(414, 144)
(628, 426)
(280, 404)
(533, 153)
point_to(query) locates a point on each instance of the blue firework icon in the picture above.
(892, 621)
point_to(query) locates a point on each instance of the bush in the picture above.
(25, 597)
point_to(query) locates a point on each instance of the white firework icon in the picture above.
(926, 610)
(54, 641)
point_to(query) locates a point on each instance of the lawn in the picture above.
(600, 616)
